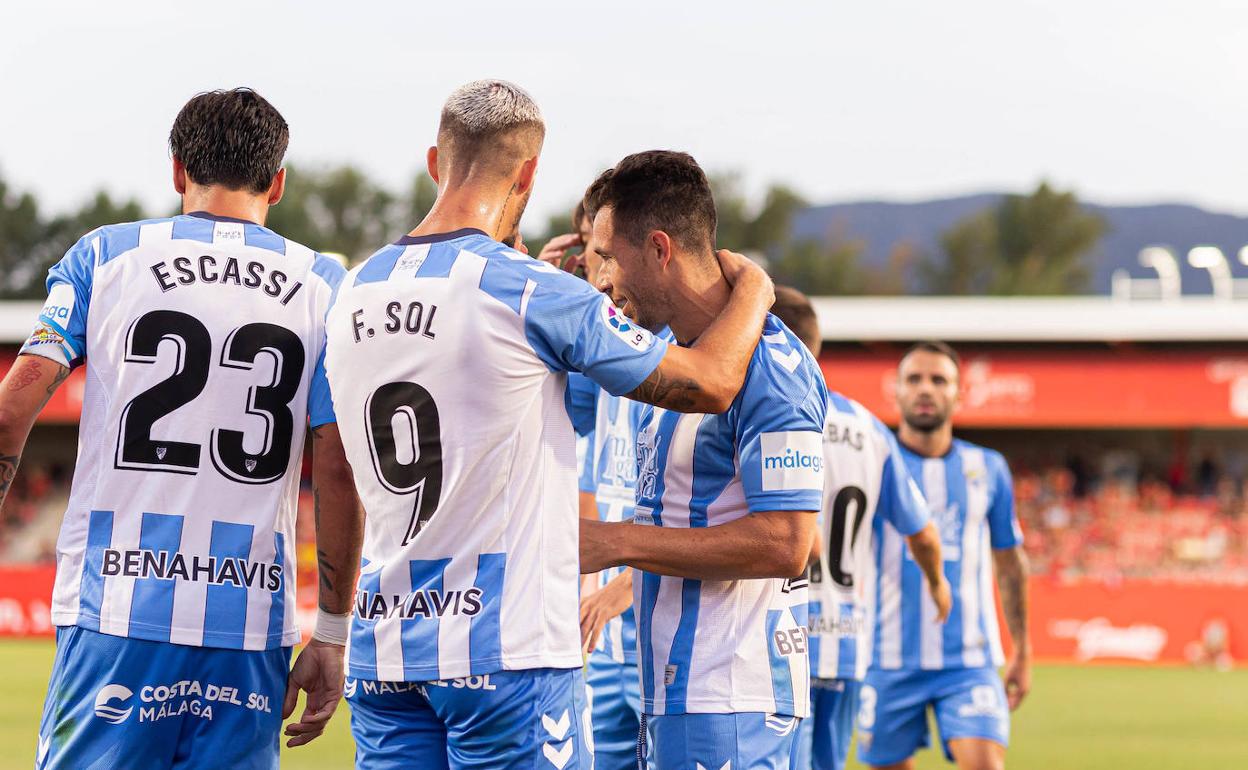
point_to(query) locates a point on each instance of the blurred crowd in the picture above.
(1109, 520)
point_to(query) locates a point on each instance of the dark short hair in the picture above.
(938, 347)
(661, 190)
(591, 201)
(233, 138)
(794, 309)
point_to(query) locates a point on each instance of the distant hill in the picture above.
(1131, 228)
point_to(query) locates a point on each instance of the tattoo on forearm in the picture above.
(8, 469)
(672, 393)
(1012, 582)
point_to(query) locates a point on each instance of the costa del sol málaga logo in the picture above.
(113, 713)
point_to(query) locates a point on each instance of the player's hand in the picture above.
(555, 252)
(942, 595)
(318, 671)
(1017, 680)
(597, 549)
(600, 606)
(739, 269)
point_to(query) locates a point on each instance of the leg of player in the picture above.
(977, 754)
(973, 717)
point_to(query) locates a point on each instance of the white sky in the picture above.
(1126, 101)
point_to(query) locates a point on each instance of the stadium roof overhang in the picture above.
(1031, 319)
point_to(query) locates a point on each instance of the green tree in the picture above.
(1028, 244)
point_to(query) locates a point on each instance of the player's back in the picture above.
(201, 336)
(452, 395)
(866, 487)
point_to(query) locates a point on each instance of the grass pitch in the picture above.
(1077, 718)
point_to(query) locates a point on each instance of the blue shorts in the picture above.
(892, 712)
(508, 719)
(614, 691)
(746, 741)
(115, 702)
(823, 739)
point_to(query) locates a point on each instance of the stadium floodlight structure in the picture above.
(1212, 259)
(1163, 262)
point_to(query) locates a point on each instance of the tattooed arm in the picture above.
(707, 376)
(26, 389)
(339, 536)
(1012, 568)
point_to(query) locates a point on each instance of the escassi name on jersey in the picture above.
(184, 271)
(410, 318)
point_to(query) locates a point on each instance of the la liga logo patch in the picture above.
(624, 328)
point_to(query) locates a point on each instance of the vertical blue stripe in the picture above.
(501, 281)
(379, 266)
(912, 585)
(485, 639)
(814, 618)
(277, 610)
(151, 606)
(847, 644)
(419, 633)
(877, 553)
(91, 589)
(840, 403)
(363, 642)
(649, 597)
(193, 229)
(955, 487)
(781, 675)
(440, 260)
(225, 606)
(263, 238)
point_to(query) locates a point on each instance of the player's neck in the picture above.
(220, 202)
(935, 443)
(700, 295)
(459, 209)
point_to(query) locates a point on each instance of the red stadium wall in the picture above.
(1081, 622)
(1076, 388)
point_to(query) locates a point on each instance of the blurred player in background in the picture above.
(449, 350)
(867, 490)
(726, 503)
(202, 336)
(951, 668)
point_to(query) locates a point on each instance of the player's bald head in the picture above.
(489, 126)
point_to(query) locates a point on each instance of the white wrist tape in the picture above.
(331, 628)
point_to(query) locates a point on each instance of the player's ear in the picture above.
(278, 187)
(661, 247)
(179, 176)
(431, 163)
(528, 172)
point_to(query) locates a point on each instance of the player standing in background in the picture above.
(949, 667)
(866, 490)
(202, 336)
(448, 350)
(726, 504)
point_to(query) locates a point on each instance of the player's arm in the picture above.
(339, 538)
(1012, 570)
(925, 547)
(26, 388)
(764, 544)
(707, 376)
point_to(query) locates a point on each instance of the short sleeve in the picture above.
(582, 402)
(60, 333)
(780, 429)
(1003, 528)
(901, 502)
(588, 479)
(573, 327)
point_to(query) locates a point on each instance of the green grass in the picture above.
(1077, 718)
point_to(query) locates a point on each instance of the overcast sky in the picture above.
(1126, 101)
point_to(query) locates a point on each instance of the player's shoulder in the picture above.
(107, 242)
(843, 408)
(782, 367)
(993, 462)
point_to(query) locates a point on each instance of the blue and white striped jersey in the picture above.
(202, 339)
(971, 497)
(866, 490)
(448, 357)
(736, 645)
